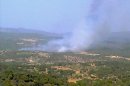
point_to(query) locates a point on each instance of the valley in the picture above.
(23, 64)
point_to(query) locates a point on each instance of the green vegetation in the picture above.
(97, 67)
(54, 69)
(114, 74)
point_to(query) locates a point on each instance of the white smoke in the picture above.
(101, 18)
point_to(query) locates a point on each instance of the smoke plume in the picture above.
(102, 17)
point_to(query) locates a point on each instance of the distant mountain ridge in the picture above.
(24, 30)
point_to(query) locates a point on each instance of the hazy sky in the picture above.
(50, 15)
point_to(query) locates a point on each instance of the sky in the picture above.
(49, 15)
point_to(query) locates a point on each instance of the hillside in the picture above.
(14, 39)
(117, 43)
